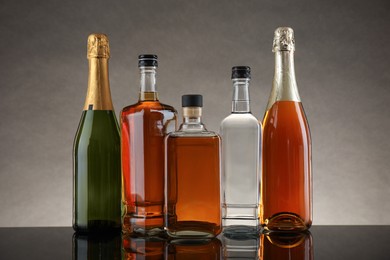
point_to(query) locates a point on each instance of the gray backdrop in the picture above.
(342, 63)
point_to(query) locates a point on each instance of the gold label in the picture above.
(98, 94)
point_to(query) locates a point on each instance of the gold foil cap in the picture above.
(98, 46)
(284, 39)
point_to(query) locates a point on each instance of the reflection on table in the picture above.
(267, 246)
(104, 246)
(240, 247)
(286, 246)
(143, 248)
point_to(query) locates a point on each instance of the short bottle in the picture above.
(96, 150)
(144, 126)
(241, 144)
(193, 198)
(286, 187)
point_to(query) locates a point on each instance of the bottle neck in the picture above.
(240, 102)
(284, 87)
(148, 90)
(98, 94)
(192, 119)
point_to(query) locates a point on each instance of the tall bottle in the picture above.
(143, 128)
(193, 176)
(96, 151)
(240, 133)
(286, 188)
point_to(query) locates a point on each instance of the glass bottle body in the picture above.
(144, 126)
(241, 173)
(286, 187)
(97, 181)
(193, 183)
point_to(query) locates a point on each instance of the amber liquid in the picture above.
(193, 186)
(143, 128)
(286, 181)
(277, 245)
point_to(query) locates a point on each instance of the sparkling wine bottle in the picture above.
(96, 151)
(193, 199)
(286, 187)
(240, 133)
(144, 126)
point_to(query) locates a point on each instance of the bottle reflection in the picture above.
(282, 246)
(183, 249)
(240, 247)
(96, 246)
(136, 248)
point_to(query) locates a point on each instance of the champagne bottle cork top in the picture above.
(98, 46)
(284, 39)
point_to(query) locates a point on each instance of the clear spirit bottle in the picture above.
(193, 198)
(241, 144)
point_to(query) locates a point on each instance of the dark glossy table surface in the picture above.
(323, 242)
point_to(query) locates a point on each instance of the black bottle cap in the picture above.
(147, 60)
(192, 101)
(241, 72)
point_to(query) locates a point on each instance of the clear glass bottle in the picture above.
(241, 144)
(193, 198)
(144, 126)
(286, 187)
(96, 150)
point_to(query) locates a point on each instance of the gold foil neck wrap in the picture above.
(283, 39)
(192, 112)
(98, 46)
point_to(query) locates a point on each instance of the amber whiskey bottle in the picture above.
(193, 200)
(143, 129)
(286, 187)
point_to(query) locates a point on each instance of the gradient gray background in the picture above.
(342, 63)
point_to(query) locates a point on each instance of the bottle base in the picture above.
(151, 226)
(193, 229)
(241, 231)
(285, 222)
(97, 226)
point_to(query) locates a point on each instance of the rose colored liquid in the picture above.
(286, 181)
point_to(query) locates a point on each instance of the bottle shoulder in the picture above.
(148, 106)
(99, 125)
(191, 134)
(240, 120)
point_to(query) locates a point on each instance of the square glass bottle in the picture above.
(192, 188)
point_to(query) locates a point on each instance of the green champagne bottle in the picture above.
(96, 151)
